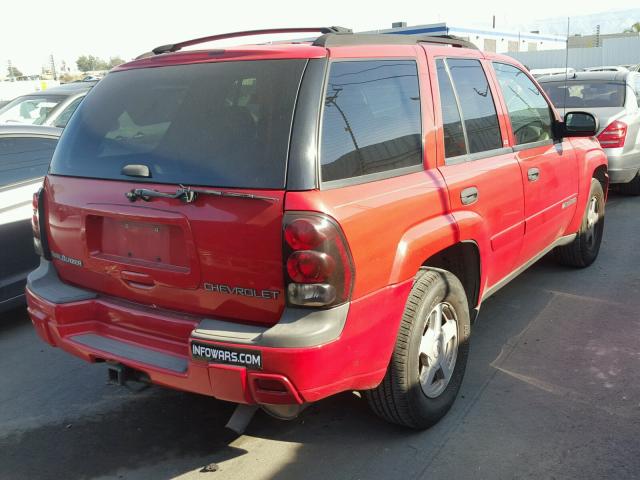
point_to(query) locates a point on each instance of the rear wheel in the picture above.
(430, 356)
(583, 251)
(630, 188)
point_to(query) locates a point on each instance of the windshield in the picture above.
(591, 94)
(31, 109)
(224, 124)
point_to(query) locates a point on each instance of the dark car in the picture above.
(25, 152)
(52, 107)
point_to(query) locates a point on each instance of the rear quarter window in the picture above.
(24, 158)
(224, 124)
(371, 120)
(476, 103)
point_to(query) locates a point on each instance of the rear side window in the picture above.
(528, 109)
(371, 121)
(224, 124)
(454, 142)
(476, 103)
(64, 117)
(585, 94)
(24, 158)
(30, 109)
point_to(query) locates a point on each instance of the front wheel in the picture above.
(430, 355)
(583, 251)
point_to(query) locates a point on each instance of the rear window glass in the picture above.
(30, 110)
(585, 94)
(371, 121)
(223, 124)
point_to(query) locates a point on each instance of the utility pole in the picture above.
(333, 100)
(53, 67)
(10, 67)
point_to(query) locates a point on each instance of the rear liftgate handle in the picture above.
(137, 280)
(469, 195)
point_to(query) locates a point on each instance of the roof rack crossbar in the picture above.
(174, 47)
(448, 40)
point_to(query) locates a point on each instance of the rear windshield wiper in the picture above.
(189, 195)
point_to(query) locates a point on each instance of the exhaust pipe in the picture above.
(283, 412)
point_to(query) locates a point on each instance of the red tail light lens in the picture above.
(307, 266)
(303, 234)
(614, 135)
(319, 268)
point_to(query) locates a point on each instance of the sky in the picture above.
(32, 30)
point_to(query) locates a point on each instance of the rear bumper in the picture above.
(623, 167)
(308, 354)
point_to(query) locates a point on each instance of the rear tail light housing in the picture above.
(614, 135)
(318, 264)
(40, 244)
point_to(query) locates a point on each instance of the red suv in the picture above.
(274, 224)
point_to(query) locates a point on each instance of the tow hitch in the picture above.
(122, 375)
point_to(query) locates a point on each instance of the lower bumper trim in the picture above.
(125, 351)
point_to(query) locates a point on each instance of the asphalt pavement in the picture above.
(552, 391)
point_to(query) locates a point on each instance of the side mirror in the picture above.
(579, 124)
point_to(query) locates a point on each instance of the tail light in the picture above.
(318, 265)
(614, 135)
(39, 235)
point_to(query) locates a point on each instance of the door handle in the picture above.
(533, 174)
(469, 195)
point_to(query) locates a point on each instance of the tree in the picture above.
(13, 72)
(87, 63)
(635, 28)
(114, 62)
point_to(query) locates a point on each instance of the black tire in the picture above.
(400, 397)
(630, 188)
(583, 251)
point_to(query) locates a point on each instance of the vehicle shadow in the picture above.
(336, 438)
(13, 318)
(171, 433)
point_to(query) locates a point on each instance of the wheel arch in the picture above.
(463, 260)
(601, 174)
(593, 164)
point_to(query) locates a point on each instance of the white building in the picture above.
(487, 39)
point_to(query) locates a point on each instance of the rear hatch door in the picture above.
(220, 129)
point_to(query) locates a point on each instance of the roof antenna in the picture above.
(566, 70)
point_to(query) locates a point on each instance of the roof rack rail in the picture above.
(340, 39)
(174, 47)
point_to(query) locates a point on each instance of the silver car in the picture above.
(52, 107)
(614, 99)
(25, 152)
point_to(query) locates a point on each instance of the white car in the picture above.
(52, 107)
(25, 153)
(607, 68)
(540, 72)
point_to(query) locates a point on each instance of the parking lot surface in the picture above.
(552, 391)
